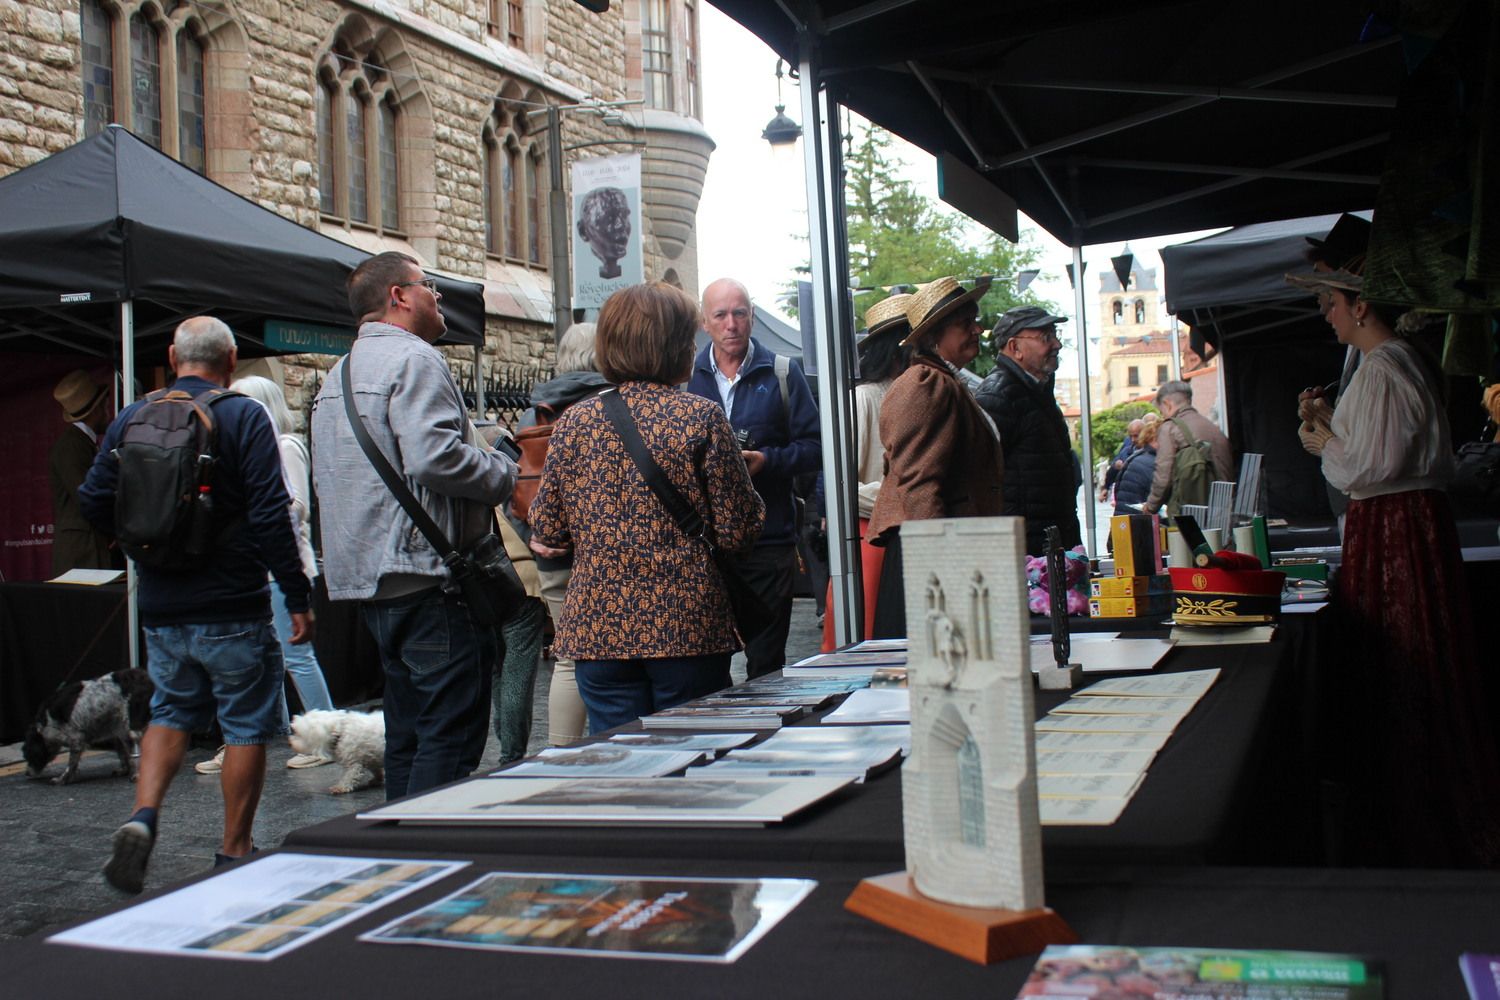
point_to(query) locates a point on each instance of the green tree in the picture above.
(899, 239)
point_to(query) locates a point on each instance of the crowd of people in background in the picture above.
(661, 538)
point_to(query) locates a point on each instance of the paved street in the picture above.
(57, 837)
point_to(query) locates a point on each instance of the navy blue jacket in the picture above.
(250, 500)
(789, 439)
(1134, 482)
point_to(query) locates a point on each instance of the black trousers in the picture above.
(769, 570)
(890, 598)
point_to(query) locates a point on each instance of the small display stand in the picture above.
(981, 935)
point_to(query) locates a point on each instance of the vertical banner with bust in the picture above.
(607, 253)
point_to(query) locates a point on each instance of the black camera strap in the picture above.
(424, 522)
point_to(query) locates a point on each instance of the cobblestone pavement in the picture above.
(56, 838)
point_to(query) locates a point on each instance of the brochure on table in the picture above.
(259, 910)
(602, 760)
(682, 801)
(608, 916)
(1076, 972)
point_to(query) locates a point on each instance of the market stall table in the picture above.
(821, 950)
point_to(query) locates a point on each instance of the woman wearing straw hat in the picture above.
(942, 452)
(883, 355)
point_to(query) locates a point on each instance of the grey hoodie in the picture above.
(415, 414)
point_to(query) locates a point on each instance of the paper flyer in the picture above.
(259, 910)
(1094, 971)
(702, 920)
(607, 227)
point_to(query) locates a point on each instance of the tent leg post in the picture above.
(127, 396)
(1086, 424)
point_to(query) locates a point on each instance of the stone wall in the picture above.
(262, 141)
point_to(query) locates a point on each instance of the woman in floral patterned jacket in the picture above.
(646, 618)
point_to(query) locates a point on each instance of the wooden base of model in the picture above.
(980, 935)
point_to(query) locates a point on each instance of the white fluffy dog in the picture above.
(354, 739)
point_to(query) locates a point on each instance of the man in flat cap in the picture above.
(1041, 476)
(75, 543)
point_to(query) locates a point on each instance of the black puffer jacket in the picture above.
(1041, 482)
(1134, 482)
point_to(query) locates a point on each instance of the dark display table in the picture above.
(1415, 923)
(1219, 792)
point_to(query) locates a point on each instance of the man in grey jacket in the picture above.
(437, 659)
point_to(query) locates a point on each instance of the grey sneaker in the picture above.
(213, 765)
(308, 760)
(126, 868)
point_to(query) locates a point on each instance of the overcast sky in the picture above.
(752, 221)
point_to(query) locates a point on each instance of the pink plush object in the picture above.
(1038, 599)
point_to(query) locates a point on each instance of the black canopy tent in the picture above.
(113, 221)
(1231, 290)
(107, 245)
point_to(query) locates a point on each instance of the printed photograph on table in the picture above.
(1121, 973)
(703, 920)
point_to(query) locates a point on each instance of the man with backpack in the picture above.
(189, 481)
(1191, 452)
(769, 405)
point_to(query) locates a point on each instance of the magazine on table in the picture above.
(852, 658)
(681, 801)
(602, 760)
(1093, 761)
(840, 737)
(1187, 684)
(1093, 742)
(1088, 786)
(723, 717)
(781, 684)
(1481, 975)
(259, 910)
(1075, 723)
(1080, 812)
(1105, 705)
(770, 699)
(861, 762)
(710, 744)
(880, 645)
(885, 704)
(608, 916)
(1079, 971)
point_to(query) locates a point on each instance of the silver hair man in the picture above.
(204, 341)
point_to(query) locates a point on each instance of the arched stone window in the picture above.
(515, 181)
(152, 70)
(1140, 310)
(371, 117)
(1117, 311)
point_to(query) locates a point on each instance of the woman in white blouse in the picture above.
(1427, 781)
(881, 359)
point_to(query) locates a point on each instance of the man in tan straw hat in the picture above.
(75, 542)
(1041, 475)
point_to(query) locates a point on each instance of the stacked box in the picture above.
(1130, 586)
(1145, 606)
(1137, 543)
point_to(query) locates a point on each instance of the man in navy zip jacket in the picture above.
(211, 648)
(781, 441)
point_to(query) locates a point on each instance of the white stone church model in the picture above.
(973, 837)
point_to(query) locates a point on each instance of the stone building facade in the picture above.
(1135, 347)
(412, 125)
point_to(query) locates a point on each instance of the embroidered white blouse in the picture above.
(1390, 431)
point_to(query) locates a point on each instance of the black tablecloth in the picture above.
(1416, 923)
(51, 633)
(1216, 793)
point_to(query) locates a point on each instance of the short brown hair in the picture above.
(1147, 436)
(369, 283)
(645, 334)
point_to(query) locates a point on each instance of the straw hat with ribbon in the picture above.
(1316, 281)
(885, 318)
(78, 394)
(935, 301)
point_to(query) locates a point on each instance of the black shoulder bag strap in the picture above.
(751, 614)
(424, 522)
(684, 513)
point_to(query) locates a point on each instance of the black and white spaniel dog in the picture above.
(107, 712)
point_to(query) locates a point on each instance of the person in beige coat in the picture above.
(942, 452)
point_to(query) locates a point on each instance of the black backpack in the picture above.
(164, 515)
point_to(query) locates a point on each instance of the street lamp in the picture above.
(781, 131)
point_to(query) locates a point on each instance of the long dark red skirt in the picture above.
(1426, 781)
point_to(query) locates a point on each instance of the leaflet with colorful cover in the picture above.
(1088, 972)
(610, 916)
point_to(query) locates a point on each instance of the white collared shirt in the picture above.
(87, 430)
(725, 383)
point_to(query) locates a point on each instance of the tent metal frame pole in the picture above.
(823, 175)
(1086, 423)
(127, 396)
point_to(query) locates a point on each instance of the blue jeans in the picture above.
(301, 663)
(515, 678)
(231, 670)
(437, 688)
(619, 691)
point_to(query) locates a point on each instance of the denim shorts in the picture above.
(232, 670)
